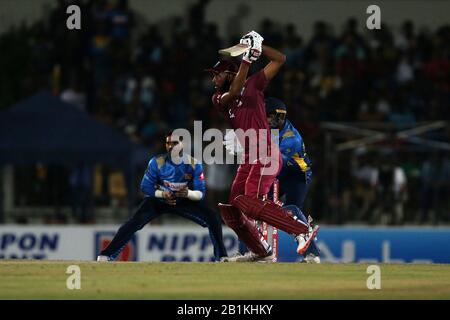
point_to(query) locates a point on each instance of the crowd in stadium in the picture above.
(144, 83)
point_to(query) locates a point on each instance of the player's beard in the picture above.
(226, 84)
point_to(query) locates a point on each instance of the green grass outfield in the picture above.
(21, 279)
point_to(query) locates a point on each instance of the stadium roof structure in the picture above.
(45, 129)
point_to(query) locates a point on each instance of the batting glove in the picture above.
(232, 144)
(255, 35)
(255, 44)
(256, 40)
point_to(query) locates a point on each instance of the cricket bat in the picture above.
(235, 50)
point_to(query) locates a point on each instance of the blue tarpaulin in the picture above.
(45, 129)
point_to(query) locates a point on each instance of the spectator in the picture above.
(75, 95)
(80, 182)
(391, 193)
(234, 22)
(145, 82)
(431, 177)
(366, 180)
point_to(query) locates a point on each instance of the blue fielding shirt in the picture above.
(293, 151)
(163, 174)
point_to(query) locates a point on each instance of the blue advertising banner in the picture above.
(375, 244)
(192, 243)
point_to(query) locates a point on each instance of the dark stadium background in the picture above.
(141, 73)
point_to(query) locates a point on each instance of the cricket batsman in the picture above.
(173, 183)
(241, 100)
(296, 173)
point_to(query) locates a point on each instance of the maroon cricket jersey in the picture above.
(248, 111)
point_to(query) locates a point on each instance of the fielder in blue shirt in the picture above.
(171, 186)
(296, 173)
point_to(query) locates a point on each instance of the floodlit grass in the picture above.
(172, 281)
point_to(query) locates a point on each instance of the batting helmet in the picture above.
(223, 66)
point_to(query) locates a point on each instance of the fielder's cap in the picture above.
(274, 105)
(223, 66)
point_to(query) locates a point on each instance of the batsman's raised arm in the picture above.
(277, 59)
(253, 41)
(236, 85)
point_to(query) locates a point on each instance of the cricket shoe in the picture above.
(252, 257)
(230, 259)
(103, 259)
(305, 239)
(311, 258)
